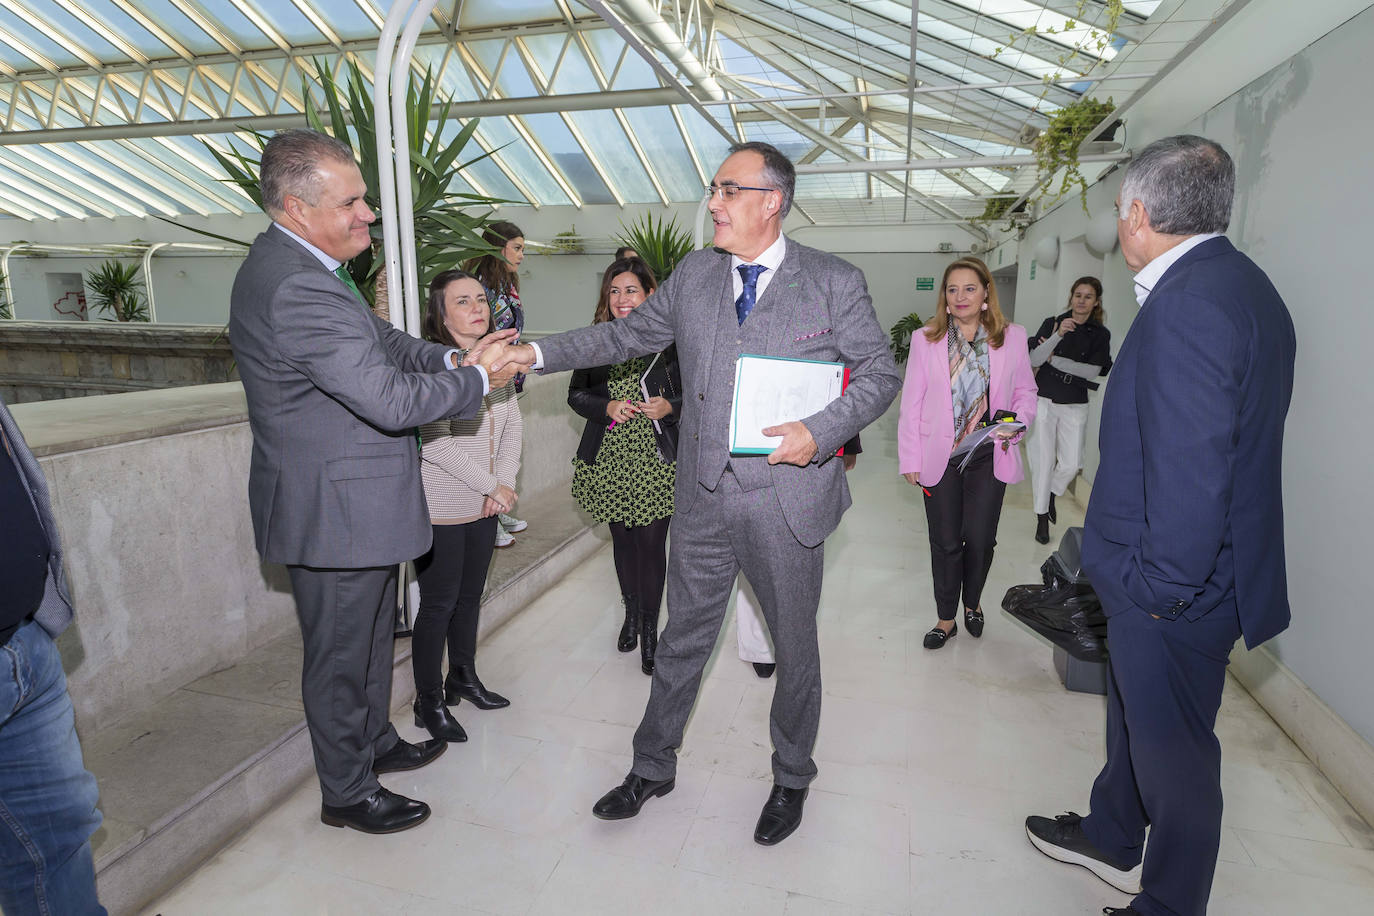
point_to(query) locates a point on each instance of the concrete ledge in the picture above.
(76, 424)
(1342, 755)
(43, 360)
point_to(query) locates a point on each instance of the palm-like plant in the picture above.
(659, 244)
(6, 310)
(901, 335)
(445, 234)
(117, 290)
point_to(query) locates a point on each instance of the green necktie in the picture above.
(342, 273)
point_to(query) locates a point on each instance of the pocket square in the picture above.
(812, 334)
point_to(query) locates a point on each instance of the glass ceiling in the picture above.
(106, 105)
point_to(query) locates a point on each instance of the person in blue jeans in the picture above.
(47, 797)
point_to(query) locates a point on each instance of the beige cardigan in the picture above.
(463, 461)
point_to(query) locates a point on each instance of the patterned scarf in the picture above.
(968, 378)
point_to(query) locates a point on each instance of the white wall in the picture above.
(1300, 135)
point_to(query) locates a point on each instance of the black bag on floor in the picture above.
(1065, 610)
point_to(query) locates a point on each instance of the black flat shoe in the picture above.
(781, 815)
(381, 812)
(407, 756)
(433, 716)
(626, 799)
(463, 683)
(1054, 516)
(936, 637)
(1042, 529)
(765, 669)
(973, 622)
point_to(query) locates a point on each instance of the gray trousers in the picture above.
(728, 531)
(347, 618)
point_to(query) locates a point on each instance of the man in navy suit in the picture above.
(1184, 533)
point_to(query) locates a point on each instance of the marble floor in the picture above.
(929, 762)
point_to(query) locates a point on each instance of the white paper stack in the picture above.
(770, 390)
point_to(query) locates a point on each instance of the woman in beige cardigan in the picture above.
(468, 468)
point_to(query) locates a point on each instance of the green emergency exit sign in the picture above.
(925, 283)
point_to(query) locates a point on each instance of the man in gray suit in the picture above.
(334, 394)
(755, 292)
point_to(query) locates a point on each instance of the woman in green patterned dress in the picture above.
(627, 460)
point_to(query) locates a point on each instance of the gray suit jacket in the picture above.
(55, 612)
(817, 307)
(333, 395)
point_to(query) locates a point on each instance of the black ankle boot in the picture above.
(463, 683)
(629, 633)
(1042, 529)
(1054, 516)
(433, 716)
(648, 640)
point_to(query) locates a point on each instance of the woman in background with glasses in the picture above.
(626, 463)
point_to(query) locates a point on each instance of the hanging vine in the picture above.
(1057, 146)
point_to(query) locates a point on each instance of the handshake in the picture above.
(501, 358)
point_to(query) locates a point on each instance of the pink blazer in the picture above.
(925, 431)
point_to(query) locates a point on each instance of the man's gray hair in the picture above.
(778, 171)
(1186, 183)
(290, 165)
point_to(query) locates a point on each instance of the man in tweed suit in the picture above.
(755, 292)
(47, 797)
(334, 394)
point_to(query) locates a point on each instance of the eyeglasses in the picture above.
(729, 191)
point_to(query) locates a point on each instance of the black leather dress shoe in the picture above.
(782, 814)
(936, 638)
(765, 669)
(407, 756)
(1042, 529)
(973, 622)
(381, 812)
(626, 799)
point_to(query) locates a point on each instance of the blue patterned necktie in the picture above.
(749, 273)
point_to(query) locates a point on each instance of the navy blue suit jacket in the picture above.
(1186, 512)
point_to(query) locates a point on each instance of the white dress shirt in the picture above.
(1149, 274)
(770, 259)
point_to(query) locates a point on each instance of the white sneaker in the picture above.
(511, 523)
(503, 537)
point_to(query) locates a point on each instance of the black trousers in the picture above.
(962, 512)
(641, 560)
(452, 576)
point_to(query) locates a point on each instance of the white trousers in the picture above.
(1056, 449)
(750, 632)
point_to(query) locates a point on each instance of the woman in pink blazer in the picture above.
(966, 365)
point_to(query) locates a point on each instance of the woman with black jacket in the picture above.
(1067, 352)
(627, 460)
